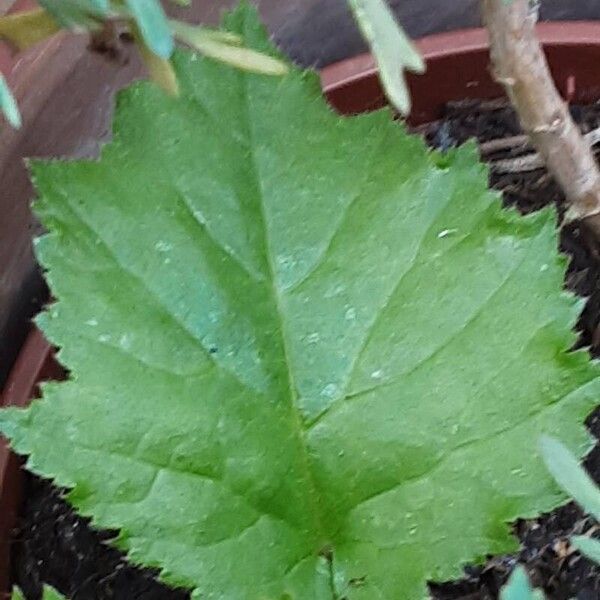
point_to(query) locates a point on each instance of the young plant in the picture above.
(572, 478)
(307, 355)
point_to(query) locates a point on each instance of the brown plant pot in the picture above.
(457, 68)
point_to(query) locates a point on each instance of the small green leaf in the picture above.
(49, 593)
(152, 22)
(99, 7)
(220, 46)
(75, 14)
(392, 49)
(216, 35)
(160, 70)
(570, 475)
(25, 29)
(519, 588)
(8, 105)
(587, 546)
(17, 594)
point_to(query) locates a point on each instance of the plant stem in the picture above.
(529, 162)
(520, 66)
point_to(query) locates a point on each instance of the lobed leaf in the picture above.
(309, 358)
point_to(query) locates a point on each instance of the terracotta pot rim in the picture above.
(18, 391)
(457, 42)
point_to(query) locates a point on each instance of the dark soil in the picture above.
(57, 547)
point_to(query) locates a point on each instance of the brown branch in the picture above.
(519, 164)
(528, 162)
(508, 143)
(520, 66)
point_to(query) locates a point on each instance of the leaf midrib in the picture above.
(296, 420)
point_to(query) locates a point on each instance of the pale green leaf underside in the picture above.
(296, 337)
(570, 475)
(8, 104)
(587, 546)
(391, 48)
(519, 587)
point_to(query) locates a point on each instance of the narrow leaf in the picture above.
(225, 37)
(304, 351)
(519, 588)
(25, 29)
(587, 546)
(8, 105)
(77, 14)
(152, 22)
(219, 47)
(391, 48)
(100, 7)
(160, 70)
(570, 475)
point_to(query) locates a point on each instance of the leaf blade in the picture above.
(152, 22)
(588, 547)
(570, 475)
(8, 105)
(226, 48)
(75, 14)
(392, 49)
(282, 417)
(519, 588)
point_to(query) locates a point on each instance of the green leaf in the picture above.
(309, 358)
(152, 22)
(8, 105)
(205, 33)
(220, 48)
(48, 594)
(160, 70)
(570, 475)
(17, 595)
(391, 48)
(588, 547)
(519, 588)
(74, 14)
